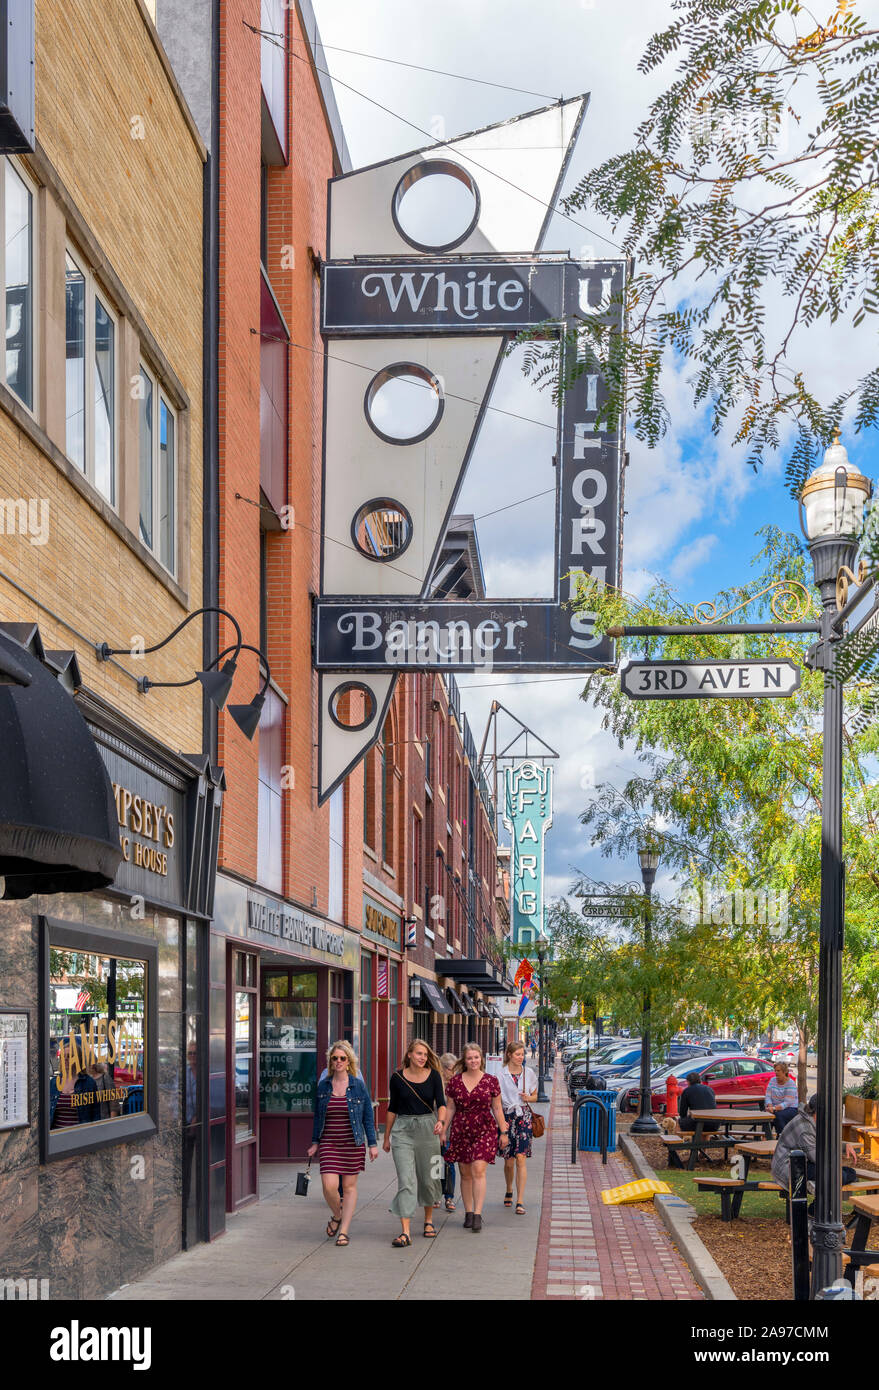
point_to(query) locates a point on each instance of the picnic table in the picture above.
(866, 1210)
(699, 1139)
(755, 1101)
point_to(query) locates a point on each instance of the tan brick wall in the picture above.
(97, 69)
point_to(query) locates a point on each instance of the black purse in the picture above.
(302, 1181)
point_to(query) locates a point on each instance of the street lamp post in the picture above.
(648, 857)
(542, 1097)
(832, 503)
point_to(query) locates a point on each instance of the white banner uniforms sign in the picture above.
(436, 319)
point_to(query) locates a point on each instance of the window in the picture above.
(720, 1072)
(335, 904)
(749, 1067)
(369, 799)
(158, 471)
(288, 1068)
(270, 824)
(18, 282)
(387, 793)
(99, 1073)
(90, 379)
(417, 869)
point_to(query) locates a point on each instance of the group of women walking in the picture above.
(443, 1114)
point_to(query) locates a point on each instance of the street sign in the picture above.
(704, 680)
(864, 614)
(595, 907)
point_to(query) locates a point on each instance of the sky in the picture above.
(692, 504)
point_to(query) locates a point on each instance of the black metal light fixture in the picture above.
(648, 858)
(217, 684)
(831, 512)
(247, 717)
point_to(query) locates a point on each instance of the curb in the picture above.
(673, 1213)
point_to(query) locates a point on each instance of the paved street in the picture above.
(568, 1245)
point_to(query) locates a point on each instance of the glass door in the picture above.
(243, 1133)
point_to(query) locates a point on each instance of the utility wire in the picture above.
(398, 62)
(421, 131)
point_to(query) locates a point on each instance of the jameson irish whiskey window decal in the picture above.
(99, 1052)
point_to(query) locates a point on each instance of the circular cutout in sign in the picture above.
(435, 205)
(404, 403)
(343, 706)
(382, 529)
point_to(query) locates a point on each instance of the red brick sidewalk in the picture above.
(586, 1250)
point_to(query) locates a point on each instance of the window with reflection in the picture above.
(288, 1061)
(97, 1024)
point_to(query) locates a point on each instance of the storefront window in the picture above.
(366, 1020)
(99, 1069)
(288, 1068)
(243, 1065)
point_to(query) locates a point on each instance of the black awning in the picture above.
(434, 996)
(469, 1006)
(58, 826)
(475, 974)
(455, 1001)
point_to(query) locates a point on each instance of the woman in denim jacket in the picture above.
(343, 1124)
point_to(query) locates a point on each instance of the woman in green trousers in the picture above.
(416, 1114)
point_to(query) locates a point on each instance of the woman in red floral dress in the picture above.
(474, 1115)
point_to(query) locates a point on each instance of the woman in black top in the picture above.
(416, 1113)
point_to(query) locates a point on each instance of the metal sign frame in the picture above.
(373, 620)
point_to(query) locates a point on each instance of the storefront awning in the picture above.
(58, 824)
(475, 974)
(455, 1001)
(469, 1006)
(434, 996)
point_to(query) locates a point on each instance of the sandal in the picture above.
(401, 1242)
(520, 1210)
(429, 1230)
(342, 1239)
(508, 1199)
(333, 1225)
(450, 1204)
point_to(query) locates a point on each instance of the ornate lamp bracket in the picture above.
(846, 577)
(791, 602)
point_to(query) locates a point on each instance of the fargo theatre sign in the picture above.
(438, 319)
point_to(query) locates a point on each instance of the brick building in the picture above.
(101, 474)
(312, 902)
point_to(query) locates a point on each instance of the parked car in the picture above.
(726, 1075)
(725, 1045)
(615, 1067)
(859, 1063)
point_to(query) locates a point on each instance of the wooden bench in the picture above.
(732, 1190)
(685, 1143)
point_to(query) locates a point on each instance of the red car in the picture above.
(727, 1076)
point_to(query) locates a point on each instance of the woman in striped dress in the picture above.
(343, 1124)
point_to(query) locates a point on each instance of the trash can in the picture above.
(589, 1136)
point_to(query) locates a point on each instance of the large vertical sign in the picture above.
(432, 316)
(527, 816)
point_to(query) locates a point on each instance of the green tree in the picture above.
(749, 204)
(736, 786)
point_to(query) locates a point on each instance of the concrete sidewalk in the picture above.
(277, 1248)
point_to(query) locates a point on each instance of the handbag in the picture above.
(538, 1125)
(302, 1181)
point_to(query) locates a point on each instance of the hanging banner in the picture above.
(433, 316)
(527, 816)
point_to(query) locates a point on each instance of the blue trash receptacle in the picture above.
(589, 1136)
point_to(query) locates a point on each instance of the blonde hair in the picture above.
(447, 1061)
(461, 1064)
(784, 1066)
(348, 1050)
(512, 1047)
(432, 1060)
